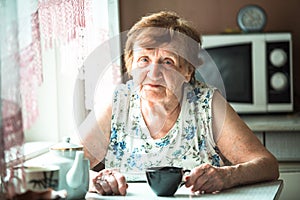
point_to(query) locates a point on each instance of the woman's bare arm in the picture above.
(250, 160)
(95, 133)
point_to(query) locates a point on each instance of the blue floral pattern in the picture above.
(188, 144)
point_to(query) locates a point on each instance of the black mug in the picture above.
(164, 181)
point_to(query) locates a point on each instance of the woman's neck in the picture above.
(159, 117)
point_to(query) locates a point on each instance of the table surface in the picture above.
(265, 190)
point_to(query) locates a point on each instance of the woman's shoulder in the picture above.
(199, 93)
(202, 85)
(128, 86)
(200, 88)
(123, 94)
(124, 88)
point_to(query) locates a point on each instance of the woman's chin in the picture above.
(153, 96)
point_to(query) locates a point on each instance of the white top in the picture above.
(188, 144)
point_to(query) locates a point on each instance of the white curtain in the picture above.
(28, 29)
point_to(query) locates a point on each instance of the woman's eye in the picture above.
(168, 63)
(143, 62)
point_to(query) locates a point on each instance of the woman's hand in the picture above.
(207, 179)
(110, 182)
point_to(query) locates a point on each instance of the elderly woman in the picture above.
(165, 117)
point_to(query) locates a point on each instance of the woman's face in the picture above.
(158, 73)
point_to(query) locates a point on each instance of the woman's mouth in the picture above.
(152, 86)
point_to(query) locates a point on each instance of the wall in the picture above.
(214, 16)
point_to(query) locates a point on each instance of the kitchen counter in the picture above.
(289, 122)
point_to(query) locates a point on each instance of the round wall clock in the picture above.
(251, 18)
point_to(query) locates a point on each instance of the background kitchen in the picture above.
(55, 94)
(217, 16)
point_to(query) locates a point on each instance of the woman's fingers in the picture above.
(102, 181)
(205, 179)
(98, 186)
(113, 183)
(110, 182)
(200, 183)
(196, 174)
(122, 185)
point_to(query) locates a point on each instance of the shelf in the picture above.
(267, 123)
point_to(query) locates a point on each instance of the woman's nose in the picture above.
(155, 71)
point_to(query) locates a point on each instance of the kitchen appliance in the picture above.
(256, 70)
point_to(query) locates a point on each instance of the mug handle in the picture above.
(184, 172)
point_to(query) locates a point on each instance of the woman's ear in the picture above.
(189, 72)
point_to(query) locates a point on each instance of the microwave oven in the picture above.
(256, 70)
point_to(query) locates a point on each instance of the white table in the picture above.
(261, 191)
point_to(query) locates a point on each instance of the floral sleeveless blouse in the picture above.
(188, 144)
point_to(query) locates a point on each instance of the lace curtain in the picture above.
(22, 23)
